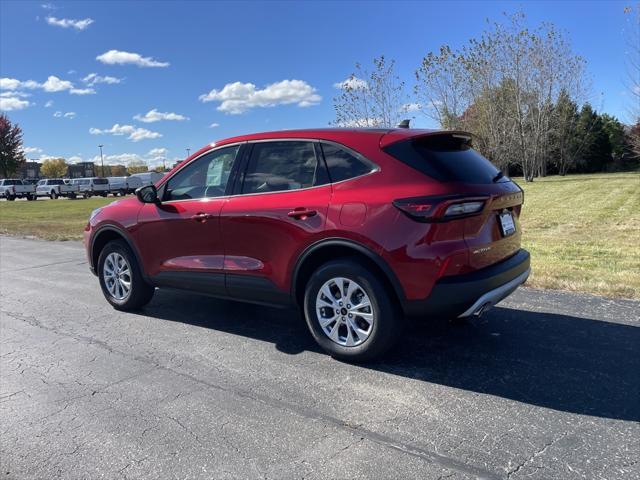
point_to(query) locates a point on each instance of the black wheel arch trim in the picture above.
(127, 238)
(358, 247)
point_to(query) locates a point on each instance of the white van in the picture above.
(123, 185)
(87, 187)
(148, 178)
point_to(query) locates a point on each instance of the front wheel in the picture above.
(349, 311)
(121, 278)
(53, 195)
(11, 198)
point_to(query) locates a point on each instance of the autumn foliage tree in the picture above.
(54, 168)
(11, 155)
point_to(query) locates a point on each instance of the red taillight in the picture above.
(441, 209)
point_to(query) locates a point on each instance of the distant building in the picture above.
(81, 170)
(29, 170)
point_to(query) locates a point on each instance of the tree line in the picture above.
(521, 92)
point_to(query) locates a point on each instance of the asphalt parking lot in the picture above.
(547, 385)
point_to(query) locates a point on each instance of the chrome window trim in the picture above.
(376, 168)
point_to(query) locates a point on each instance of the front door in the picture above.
(282, 204)
(180, 237)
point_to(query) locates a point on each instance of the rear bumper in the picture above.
(473, 293)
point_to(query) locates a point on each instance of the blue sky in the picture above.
(167, 57)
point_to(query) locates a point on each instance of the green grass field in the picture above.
(583, 231)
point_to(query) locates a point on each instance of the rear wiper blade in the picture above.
(498, 176)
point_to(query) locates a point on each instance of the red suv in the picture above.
(358, 227)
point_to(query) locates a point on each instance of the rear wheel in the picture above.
(53, 195)
(30, 198)
(121, 278)
(11, 198)
(350, 313)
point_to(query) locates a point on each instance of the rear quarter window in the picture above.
(343, 164)
(446, 158)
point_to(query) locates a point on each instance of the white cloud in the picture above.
(49, 104)
(352, 83)
(117, 57)
(158, 152)
(30, 150)
(94, 78)
(48, 6)
(13, 93)
(54, 84)
(8, 104)
(361, 123)
(59, 114)
(70, 22)
(134, 134)
(156, 116)
(9, 83)
(214, 125)
(82, 91)
(239, 97)
(410, 107)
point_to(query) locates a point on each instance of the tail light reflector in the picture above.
(441, 209)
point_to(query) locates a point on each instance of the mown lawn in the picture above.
(49, 219)
(583, 231)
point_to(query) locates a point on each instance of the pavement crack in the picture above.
(536, 454)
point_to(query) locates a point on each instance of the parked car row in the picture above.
(72, 188)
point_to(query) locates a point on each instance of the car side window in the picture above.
(205, 178)
(282, 165)
(344, 165)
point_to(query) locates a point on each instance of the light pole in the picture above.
(188, 151)
(101, 159)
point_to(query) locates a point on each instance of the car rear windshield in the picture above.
(447, 158)
(100, 181)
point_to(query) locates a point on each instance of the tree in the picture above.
(54, 168)
(137, 167)
(620, 148)
(11, 155)
(596, 153)
(632, 32)
(566, 145)
(502, 88)
(118, 171)
(371, 98)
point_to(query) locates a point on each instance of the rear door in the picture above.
(280, 206)
(180, 237)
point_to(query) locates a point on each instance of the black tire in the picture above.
(72, 196)
(389, 322)
(122, 193)
(11, 198)
(30, 198)
(141, 292)
(104, 194)
(53, 195)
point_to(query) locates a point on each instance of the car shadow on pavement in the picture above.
(562, 362)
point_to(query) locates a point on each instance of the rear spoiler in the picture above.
(398, 135)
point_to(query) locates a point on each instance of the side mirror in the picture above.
(147, 194)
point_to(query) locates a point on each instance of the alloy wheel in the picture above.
(117, 276)
(345, 312)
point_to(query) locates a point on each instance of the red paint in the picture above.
(261, 234)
